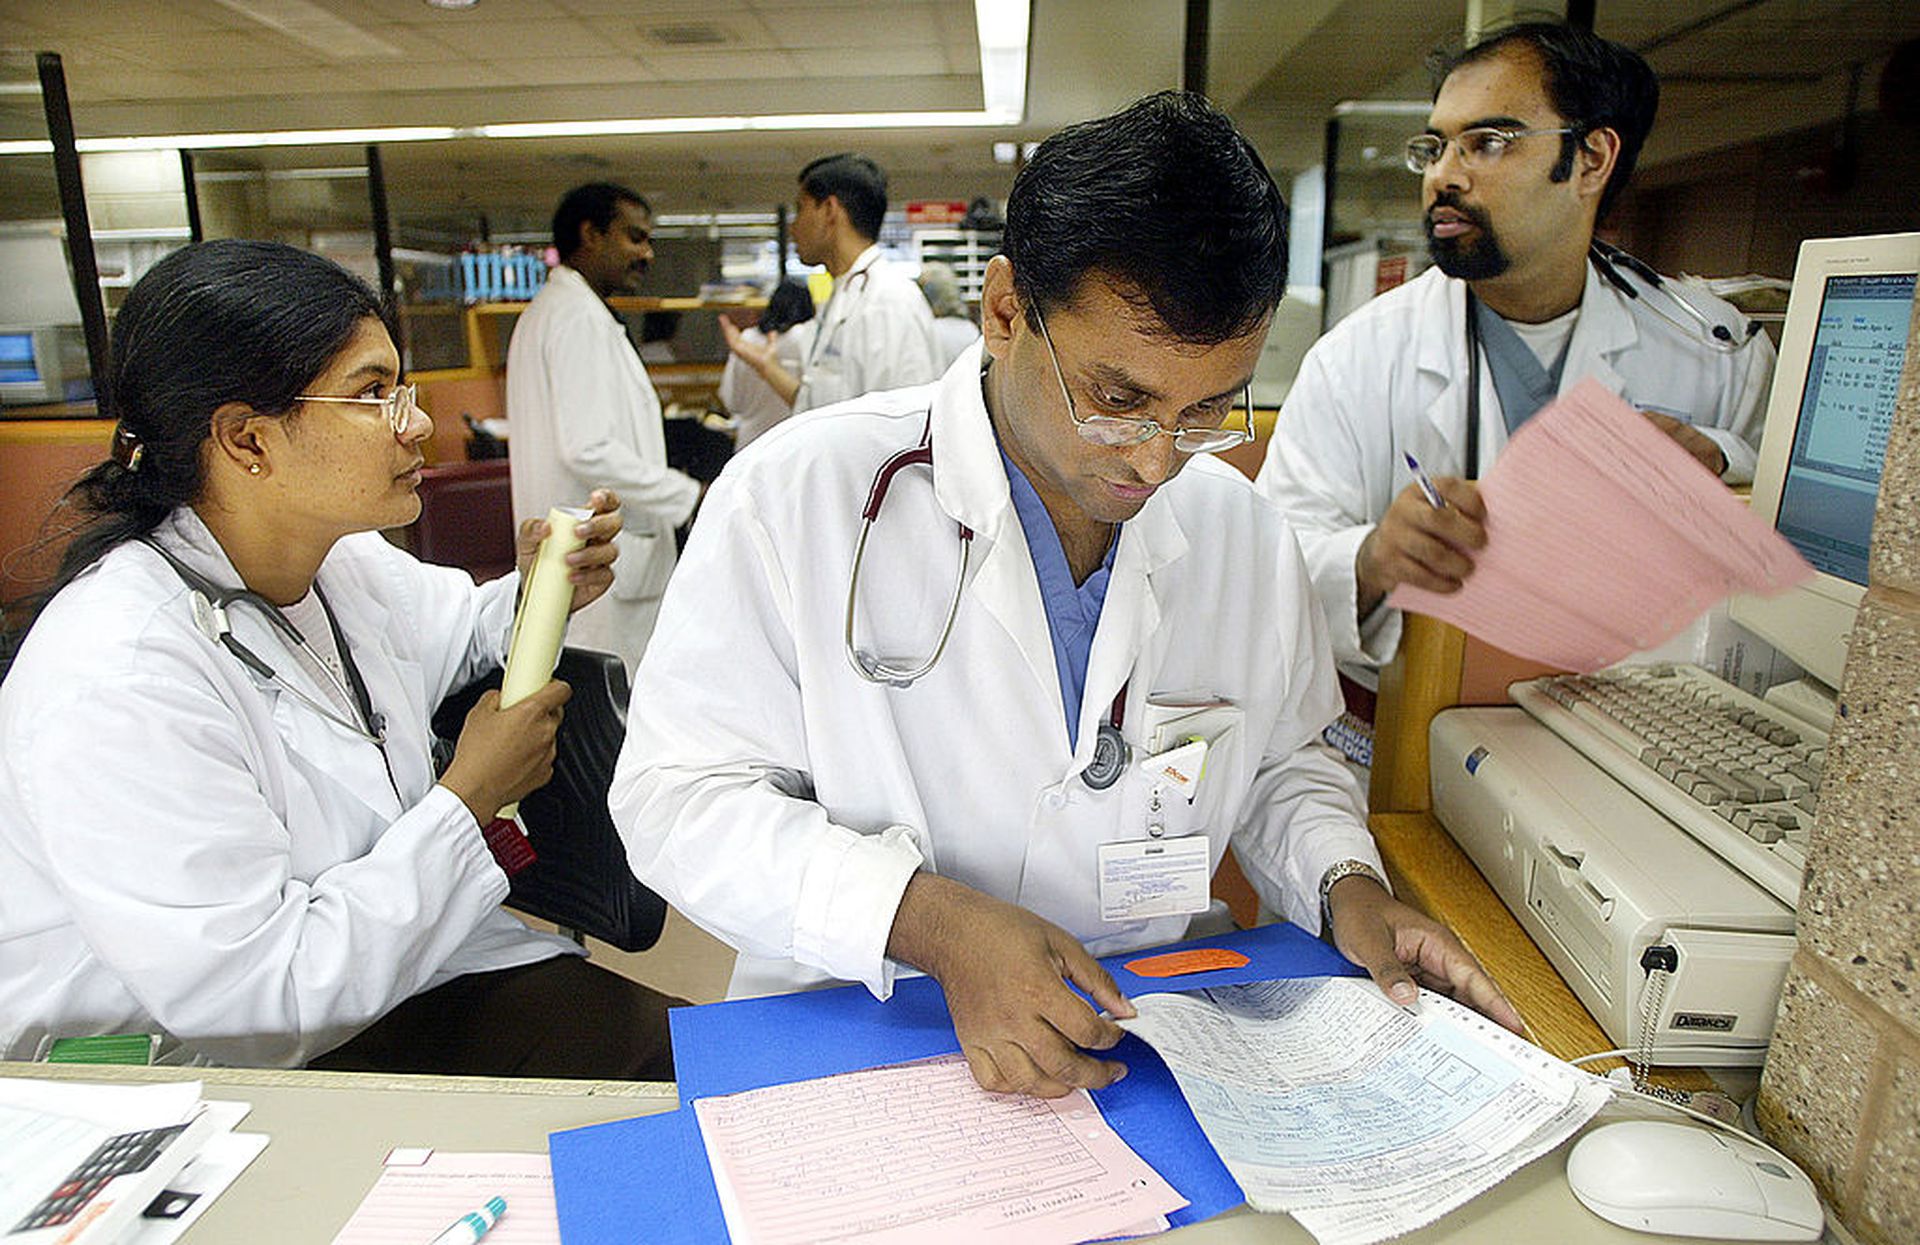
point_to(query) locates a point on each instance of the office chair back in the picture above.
(581, 881)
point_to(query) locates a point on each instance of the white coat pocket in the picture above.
(645, 562)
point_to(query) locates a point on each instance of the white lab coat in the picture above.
(953, 334)
(876, 332)
(752, 402)
(581, 415)
(782, 802)
(1391, 379)
(191, 851)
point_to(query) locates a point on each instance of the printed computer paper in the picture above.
(917, 1152)
(1362, 1121)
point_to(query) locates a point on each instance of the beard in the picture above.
(1474, 258)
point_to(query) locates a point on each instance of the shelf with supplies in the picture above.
(490, 324)
(966, 251)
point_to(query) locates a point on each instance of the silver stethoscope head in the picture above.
(1609, 259)
(869, 666)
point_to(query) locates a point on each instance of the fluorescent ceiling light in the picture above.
(269, 138)
(1003, 28)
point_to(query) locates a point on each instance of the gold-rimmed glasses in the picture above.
(1121, 430)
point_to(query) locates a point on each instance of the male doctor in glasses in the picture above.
(1533, 135)
(935, 795)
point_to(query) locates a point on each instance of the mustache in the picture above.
(1448, 199)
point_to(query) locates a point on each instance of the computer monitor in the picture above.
(1831, 408)
(30, 367)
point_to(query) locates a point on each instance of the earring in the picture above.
(253, 469)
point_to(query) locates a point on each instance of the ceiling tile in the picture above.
(564, 36)
(364, 11)
(314, 80)
(435, 76)
(719, 66)
(836, 27)
(209, 49)
(673, 10)
(416, 40)
(575, 70)
(129, 83)
(866, 62)
(640, 34)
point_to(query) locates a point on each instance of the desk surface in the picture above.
(330, 1131)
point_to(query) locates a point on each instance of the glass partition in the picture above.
(1374, 239)
(43, 351)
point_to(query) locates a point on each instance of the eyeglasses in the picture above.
(1479, 146)
(399, 406)
(1117, 430)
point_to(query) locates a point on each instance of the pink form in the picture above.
(916, 1152)
(1604, 538)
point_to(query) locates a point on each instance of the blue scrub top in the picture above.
(1073, 610)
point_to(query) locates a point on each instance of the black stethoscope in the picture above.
(210, 603)
(1110, 749)
(1607, 261)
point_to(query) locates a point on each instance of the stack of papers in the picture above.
(84, 1163)
(1278, 1081)
(1604, 539)
(918, 1152)
(654, 1169)
(1360, 1120)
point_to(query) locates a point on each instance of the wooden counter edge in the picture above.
(298, 1078)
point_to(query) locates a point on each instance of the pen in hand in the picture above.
(1426, 485)
(473, 1225)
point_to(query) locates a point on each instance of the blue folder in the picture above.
(649, 1175)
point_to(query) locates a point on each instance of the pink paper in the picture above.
(1604, 538)
(421, 1193)
(916, 1152)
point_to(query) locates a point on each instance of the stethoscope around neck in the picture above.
(210, 604)
(1111, 751)
(1607, 260)
(821, 333)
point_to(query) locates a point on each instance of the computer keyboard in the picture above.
(1737, 774)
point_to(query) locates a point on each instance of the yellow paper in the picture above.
(541, 624)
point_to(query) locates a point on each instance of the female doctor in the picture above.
(219, 820)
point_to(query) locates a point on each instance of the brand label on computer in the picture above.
(1703, 1020)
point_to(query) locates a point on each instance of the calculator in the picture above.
(116, 1156)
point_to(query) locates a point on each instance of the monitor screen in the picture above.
(17, 363)
(1846, 411)
(1835, 386)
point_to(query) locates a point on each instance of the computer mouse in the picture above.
(1684, 1180)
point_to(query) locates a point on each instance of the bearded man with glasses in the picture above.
(1533, 135)
(982, 678)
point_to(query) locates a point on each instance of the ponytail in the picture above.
(214, 323)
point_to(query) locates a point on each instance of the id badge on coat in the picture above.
(1143, 878)
(1159, 875)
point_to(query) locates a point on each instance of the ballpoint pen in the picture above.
(1426, 485)
(473, 1225)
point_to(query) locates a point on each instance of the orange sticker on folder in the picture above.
(1181, 963)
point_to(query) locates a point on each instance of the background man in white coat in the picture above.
(1533, 135)
(875, 331)
(838, 810)
(584, 415)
